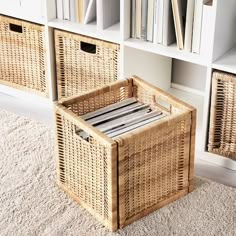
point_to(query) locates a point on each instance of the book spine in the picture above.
(179, 30)
(72, 11)
(60, 9)
(66, 8)
(138, 19)
(100, 14)
(155, 26)
(150, 21)
(91, 12)
(197, 26)
(144, 19)
(166, 22)
(189, 26)
(207, 35)
(77, 10)
(160, 21)
(133, 23)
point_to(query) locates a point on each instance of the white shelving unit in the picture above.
(227, 62)
(185, 75)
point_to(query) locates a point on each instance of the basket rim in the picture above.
(169, 120)
(24, 23)
(87, 39)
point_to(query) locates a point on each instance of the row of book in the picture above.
(167, 21)
(105, 12)
(120, 118)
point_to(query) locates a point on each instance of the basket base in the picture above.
(161, 204)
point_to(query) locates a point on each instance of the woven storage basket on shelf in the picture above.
(222, 134)
(23, 55)
(121, 180)
(83, 63)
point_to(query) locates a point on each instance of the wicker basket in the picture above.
(83, 63)
(23, 55)
(222, 134)
(122, 180)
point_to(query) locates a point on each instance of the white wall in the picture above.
(225, 31)
(189, 75)
(151, 67)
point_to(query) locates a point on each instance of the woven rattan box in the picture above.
(123, 179)
(222, 133)
(23, 55)
(84, 63)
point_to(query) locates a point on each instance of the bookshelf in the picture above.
(155, 63)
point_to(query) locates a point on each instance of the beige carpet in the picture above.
(32, 204)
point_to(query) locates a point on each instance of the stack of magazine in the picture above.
(121, 117)
(105, 12)
(167, 21)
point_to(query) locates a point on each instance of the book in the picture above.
(144, 12)
(160, 15)
(155, 23)
(109, 108)
(121, 117)
(133, 23)
(197, 25)
(77, 11)
(91, 12)
(138, 18)
(66, 9)
(207, 34)
(117, 114)
(126, 120)
(60, 9)
(72, 11)
(134, 126)
(81, 8)
(179, 13)
(168, 24)
(108, 13)
(189, 25)
(150, 20)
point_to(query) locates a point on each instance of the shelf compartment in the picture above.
(170, 51)
(196, 101)
(111, 34)
(227, 62)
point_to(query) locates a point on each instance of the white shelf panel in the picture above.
(111, 34)
(227, 62)
(27, 96)
(170, 51)
(217, 160)
(34, 19)
(195, 101)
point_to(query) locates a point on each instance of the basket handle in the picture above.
(16, 28)
(81, 134)
(88, 47)
(167, 107)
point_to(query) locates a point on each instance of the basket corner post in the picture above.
(192, 149)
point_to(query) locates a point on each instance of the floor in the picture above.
(44, 113)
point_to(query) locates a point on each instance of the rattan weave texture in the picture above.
(222, 134)
(83, 63)
(23, 55)
(123, 179)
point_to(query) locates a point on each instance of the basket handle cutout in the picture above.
(163, 105)
(81, 133)
(88, 47)
(16, 28)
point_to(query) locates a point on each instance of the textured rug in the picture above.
(32, 204)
